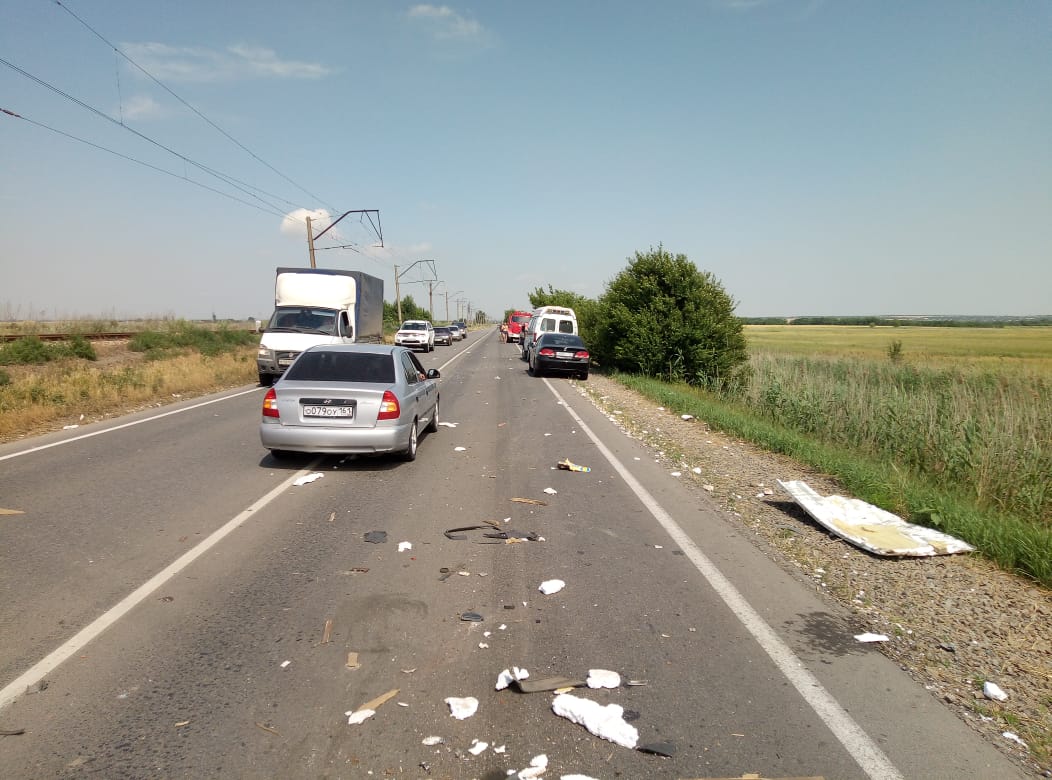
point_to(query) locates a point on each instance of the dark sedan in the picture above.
(443, 335)
(559, 353)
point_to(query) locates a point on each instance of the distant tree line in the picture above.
(923, 322)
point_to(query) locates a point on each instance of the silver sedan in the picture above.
(351, 398)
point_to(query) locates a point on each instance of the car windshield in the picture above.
(441, 330)
(333, 366)
(561, 340)
(414, 326)
(520, 319)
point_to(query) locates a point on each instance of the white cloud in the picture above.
(142, 107)
(235, 63)
(295, 222)
(447, 24)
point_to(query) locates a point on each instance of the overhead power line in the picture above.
(230, 180)
(212, 124)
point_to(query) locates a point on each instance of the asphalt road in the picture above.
(165, 594)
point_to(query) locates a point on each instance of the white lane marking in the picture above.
(42, 668)
(126, 425)
(866, 753)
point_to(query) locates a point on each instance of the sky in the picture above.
(816, 157)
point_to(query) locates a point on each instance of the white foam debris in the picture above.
(462, 707)
(696, 470)
(477, 747)
(500, 748)
(686, 417)
(992, 690)
(459, 449)
(868, 637)
(576, 777)
(403, 546)
(605, 722)
(603, 678)
(548, 587)
(284, 664)
(1014, 737)
(508, 676)
(307, 478)
(430, 741)
(448, 424)
(677, 474)
(551, 491)
(538, 766)
(359, 716)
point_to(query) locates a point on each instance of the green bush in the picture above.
(31, 350)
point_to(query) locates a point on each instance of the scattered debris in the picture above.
(182, 723)
(460, 449)
(566, 465)
(1014, 737)
(403, 546)
(677, 473)
(448, 424)
(70, 427)
(359, 570)
(603, 678)
(430, 741)
(508, 676)
(307, 478)
(709, 488)
(471, 617)
(993, 691)
(376, 537)
(870, 527)
(548, 684)
(477, 747)
(548, 587)
(868, 637)
(550, 491)
(462, 708)
(538, 766)
(604, 722)
(11, 511)
(367, 710)
(663, 748)
(284, 664)
(534, 501)
(326, 634)
(352, 661)
(697, 470)
(12, 732)
(356, 717)
(497, 533)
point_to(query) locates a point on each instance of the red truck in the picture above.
(516, 322)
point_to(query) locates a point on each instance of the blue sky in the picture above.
(817, 157)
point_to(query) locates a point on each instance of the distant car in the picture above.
(443, 335)
(416, 334)
(458, 335)
(463, 328)
(351, 398)
(559, 353)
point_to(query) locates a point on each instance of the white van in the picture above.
(547, 319)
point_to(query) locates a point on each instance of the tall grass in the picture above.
(986, 435)
(1013, 542)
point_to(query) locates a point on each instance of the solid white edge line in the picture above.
(866, 753)
(126, 425)
(49, 663)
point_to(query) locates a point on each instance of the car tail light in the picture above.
(547, 352)
(270, 404)
(389, 409)
(581, 354)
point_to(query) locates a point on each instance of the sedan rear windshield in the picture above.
(414, 326)
(326, 366)
(560, 340)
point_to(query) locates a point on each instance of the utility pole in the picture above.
(431, 300)
(310, 243)
(398, 297)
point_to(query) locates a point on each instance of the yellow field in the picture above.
(1028, 348)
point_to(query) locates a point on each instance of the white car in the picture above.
(416, 334)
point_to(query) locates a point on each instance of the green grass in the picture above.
(182, 336)
(30, 350)
(1015, 543)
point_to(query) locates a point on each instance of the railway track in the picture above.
(113, 336)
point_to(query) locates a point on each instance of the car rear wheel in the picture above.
(265, 380)
(432, 427)
(409, 454)
(584, 375)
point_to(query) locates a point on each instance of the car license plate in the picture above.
(564, 354)
(285, 362)
(328, 411)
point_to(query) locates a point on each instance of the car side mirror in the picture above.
(433, 373)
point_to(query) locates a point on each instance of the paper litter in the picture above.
(508, 676)
(548, 587)
(462, 707)
(605, 722)
(603, 678)
(868, 637)
(403, 546)
(308, 478)
(993, 691)
(1014, 737)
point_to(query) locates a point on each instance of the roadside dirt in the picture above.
(953, 622)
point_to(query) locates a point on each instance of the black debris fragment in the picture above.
(376, 537)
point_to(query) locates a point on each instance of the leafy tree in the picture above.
(661, 316)
(583, 307)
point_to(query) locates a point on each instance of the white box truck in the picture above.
(318, 306)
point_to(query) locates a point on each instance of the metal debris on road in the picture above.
(663, 748)
(471, 617)
(375, 537)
